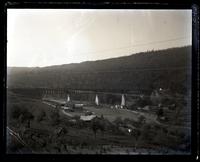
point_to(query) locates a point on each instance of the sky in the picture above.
(45, 37)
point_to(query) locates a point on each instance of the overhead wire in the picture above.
(137, 45)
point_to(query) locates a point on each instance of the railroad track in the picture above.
(17, 137)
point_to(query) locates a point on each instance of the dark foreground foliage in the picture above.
(49, 131)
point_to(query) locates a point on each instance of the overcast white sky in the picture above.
(44, 37)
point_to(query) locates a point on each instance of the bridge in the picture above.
(97, 96)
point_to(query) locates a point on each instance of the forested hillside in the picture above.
(143, 71)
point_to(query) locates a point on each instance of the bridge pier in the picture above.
(97, 100)
(123, 102)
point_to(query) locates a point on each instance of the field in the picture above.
(45, 129)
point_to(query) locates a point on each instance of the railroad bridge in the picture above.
(104, 96)
(99, 96)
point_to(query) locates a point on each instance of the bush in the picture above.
(147, 133)
(168, 101)
(136, 133)
(54, 117)
(160, 112)
(141, 102)
(133, 106)
(95, 126)
(40, 115)
(118, 121)
(128, 121)
(16, 111)
(21, 113)
(161, 138)
(100, 124)
(60, 131)
(141, 119)
(76, 117)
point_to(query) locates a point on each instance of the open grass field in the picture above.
(112, 114)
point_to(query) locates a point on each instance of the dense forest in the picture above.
(169, 69)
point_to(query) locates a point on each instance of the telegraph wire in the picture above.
(137, 45)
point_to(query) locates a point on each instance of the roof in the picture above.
(87, 117)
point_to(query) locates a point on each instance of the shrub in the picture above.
(147, 133)
(133, 106)
(40, 115)
(54, 117)
(76, 117)
(161, 138)
(141, 102)
(16, 111)
(168, 101)
(100, 124)
(61, 131)
(118, 121)
(95, 125)
(127, 121)
(159, 112)
(21, 113)
(136, 133)
(141, 119)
